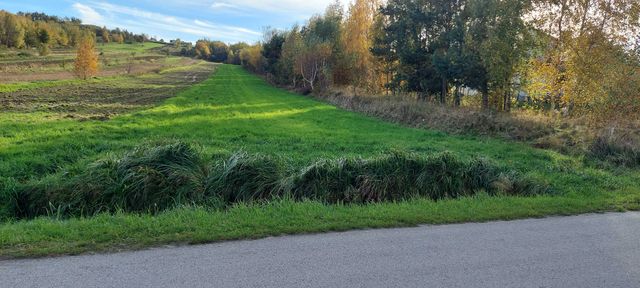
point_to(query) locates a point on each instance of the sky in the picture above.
(226, 20)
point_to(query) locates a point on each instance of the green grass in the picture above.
(135, 47)
(47, 237)
(11, 55)
(17, 86)
(235, 110)
(172, 65)
(61, 59)
(159, 176)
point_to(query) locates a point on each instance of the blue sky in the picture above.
(226, 20)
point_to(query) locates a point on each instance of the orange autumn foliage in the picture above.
(86, 64)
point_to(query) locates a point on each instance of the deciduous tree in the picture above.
(312, 63)
(104, 35)
(358, 40)
(219, 51)
(291, 48)
(584, 39)
(13, 32)
(251, 58)
(202, 50)
(86, 64)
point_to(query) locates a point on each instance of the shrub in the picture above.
(43, 50)
(24, 54)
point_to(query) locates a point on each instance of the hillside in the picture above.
(235, 110)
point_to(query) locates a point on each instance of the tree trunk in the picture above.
(485, 98)
(456, 101)
(388, 85)
(505, 100)
(444, 92)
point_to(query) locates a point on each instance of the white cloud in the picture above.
(295, 9)
(88, 14)
(234, 29)
(222, 5)
(152, 22)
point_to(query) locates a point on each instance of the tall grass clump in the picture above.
(156, 177)
(7, 198)
(620, 150)
(149, 178)
(244, 177)
(400, 176)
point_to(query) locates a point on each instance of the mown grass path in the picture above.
(235, 110)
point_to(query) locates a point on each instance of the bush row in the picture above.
(153, 178)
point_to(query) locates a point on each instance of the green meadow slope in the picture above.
(235, 110)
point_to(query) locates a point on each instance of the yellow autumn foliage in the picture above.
(86, 64)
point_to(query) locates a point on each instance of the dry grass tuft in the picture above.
(616, 144)
(407, 110)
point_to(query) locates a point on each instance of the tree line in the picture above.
(42, 31)
(39, 30)
(572, 56)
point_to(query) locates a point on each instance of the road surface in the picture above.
(580, 251)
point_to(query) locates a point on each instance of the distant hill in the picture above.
(33, 29)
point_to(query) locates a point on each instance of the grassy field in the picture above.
(235, 110)
(8, 56)
(25, 65)
(103, 95)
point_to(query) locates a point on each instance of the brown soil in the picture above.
(100, 100)
(137, 68)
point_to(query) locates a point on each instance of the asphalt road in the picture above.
(582, 251)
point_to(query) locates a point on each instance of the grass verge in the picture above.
(117, 232)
